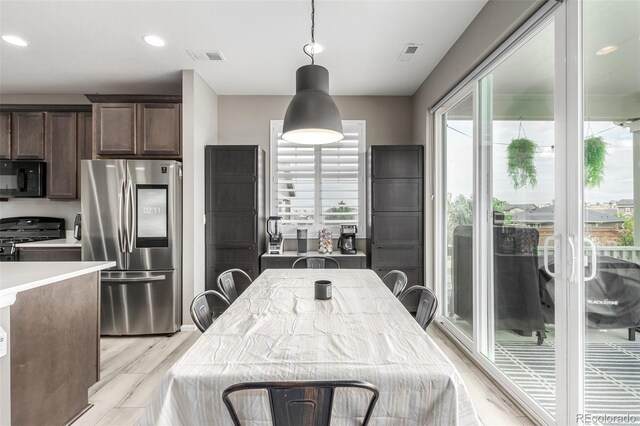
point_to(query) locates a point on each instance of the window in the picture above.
(319, 186)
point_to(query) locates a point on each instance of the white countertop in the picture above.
(68, 242)
(21, 276)
(294, 253)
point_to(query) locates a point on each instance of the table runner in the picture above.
(276, 330)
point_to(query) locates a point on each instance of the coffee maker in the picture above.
(347, 241)
(275, 242)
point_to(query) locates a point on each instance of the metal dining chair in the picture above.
(227, 285)
(200, 309)
(397, 279)
(315, 262)
(301, 403)
(427, 305)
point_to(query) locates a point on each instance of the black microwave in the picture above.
(22, 178)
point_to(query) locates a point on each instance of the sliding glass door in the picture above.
(537, 195)
(611, 207)
(457, 213)
(518, 145)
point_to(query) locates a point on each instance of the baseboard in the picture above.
(188, 327)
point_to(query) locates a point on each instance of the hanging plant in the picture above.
(595, 153)
(520, 162)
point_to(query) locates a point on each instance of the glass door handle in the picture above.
(594, 260)
(546, 254)
(572, 246)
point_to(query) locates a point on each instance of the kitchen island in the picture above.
(49, 357)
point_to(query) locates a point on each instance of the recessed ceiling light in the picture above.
(15, 40)
(606, 50)
(154, 40)
(313, 48)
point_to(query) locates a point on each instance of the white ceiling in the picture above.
(96, 46)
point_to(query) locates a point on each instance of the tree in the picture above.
(459, 211)
(626, 233)
(342, 208)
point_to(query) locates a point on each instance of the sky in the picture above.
(618, 180)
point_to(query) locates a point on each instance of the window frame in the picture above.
(275, 129)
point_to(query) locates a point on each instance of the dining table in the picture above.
(277, 331)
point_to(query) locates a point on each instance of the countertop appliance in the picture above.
(77, 227)
(132, 214)
(275, 242)
(347, 241)
(22, 179)
(16, 230)
(301, 234)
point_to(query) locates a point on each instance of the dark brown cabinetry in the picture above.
(158, 130)
(5, 135)
(397, 210)
(114, 129)
(43, 254)
(62, 155)
(27, 136)
(137, 126)
(61, 135)
(234, 204)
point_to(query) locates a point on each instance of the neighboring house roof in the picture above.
(546, 215)
(522, 207)
(625, 203)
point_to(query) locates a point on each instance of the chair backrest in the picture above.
(227, 285)
(315, 262)
(201, 309)
(398, 280)
(427, 305)
(299, 403)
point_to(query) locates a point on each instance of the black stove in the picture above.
(16, 230)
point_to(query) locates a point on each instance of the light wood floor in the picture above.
(132, 368)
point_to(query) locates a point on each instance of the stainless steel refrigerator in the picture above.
(132, 214)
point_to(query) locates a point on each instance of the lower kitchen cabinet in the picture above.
(57, 254)
(285, 260)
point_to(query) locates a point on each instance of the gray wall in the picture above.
(199, 128)
(244, 120)
(491, 27)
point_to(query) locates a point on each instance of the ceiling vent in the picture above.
(204, 55)
(408, 51)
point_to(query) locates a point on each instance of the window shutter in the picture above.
(318, 186)
(340, 174)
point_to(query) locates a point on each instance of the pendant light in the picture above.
(312, 117)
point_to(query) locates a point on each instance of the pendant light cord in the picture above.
(313, 33)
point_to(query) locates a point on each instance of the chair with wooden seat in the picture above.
(315, 262)
(427, 305)
(397, 280)
(227, 285)
(301, 403)
(201, 311)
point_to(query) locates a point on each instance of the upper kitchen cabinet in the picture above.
(158, 130)
(5, 135)
(137, 126)
(62, 155)
(27, 136)
(114, 132)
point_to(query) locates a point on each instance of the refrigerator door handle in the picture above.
(121, 240)
(131, 220)
(134, 279)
